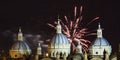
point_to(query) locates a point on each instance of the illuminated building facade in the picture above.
(59, 48)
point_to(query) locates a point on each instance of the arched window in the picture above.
(96, 52)
(53, 54)
(61, 55)
(15, 55)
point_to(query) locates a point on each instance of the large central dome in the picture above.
(60, 39)
(59, 43)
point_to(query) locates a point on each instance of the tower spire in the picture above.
(39, 49)
(99, 31)
(79, 47)
(99, 27)
(39, 43)
(20, 35)
(58, 27)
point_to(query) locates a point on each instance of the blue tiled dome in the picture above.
(60, 38)
(20, 45)
(59, 43)
(101, 42)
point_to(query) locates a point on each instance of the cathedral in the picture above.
(59, 48)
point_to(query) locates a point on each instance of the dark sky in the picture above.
(32, 16)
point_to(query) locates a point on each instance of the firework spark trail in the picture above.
(75, 11)
(66, 19)
(73, 32)
(93, 20)
(51, 25)
(81, 8)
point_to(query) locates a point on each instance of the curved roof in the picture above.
(20, 45)
(60, 38)
(101, 42)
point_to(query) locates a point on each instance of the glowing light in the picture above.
(46, 54)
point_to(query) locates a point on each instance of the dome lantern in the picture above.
(99, 31)
(58, 27)
(20, 35)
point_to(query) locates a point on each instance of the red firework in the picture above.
(74, 31)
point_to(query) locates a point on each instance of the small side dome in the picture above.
(20, 49)
(21, 46)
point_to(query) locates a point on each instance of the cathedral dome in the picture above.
(100, 45)
(59, 43)
(60, 39)
(101, 42)
(20, 49)
(21, 46)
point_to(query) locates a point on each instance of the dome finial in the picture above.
(58, 22)
(58, 27)
(19, 29)
(58, 19)
(99, 31)
(39, 43)
(99, 26)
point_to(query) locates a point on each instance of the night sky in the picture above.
(33, 16)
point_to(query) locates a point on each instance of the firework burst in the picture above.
(74, 31)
